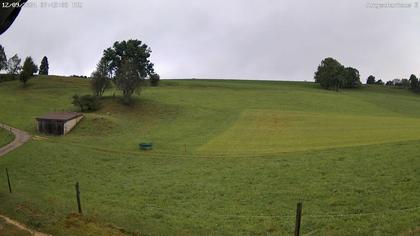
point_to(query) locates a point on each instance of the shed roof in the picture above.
(61, 116)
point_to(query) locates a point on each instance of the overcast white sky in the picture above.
(231, 39)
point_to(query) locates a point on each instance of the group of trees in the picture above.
(333, 75)
(412, 83)
(15, 70)
(126, 65)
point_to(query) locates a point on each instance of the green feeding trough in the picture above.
(146, 146)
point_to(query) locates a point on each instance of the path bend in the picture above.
(21, 137)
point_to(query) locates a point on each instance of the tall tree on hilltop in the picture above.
(44, 67)
(128, 80)
(28, 70)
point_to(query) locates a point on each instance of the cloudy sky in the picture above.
(231, 39)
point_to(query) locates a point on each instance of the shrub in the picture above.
(86, 102)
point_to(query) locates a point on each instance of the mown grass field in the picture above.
(229, 158)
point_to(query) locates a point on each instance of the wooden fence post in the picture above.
(79, 205)
(298, 218)
(8, 181)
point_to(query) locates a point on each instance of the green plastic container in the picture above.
(146, 146)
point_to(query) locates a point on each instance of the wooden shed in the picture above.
(58, 123)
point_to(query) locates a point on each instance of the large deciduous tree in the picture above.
(128, 80)
(44, 67)
(28, 70)
(13, 66)
(128, 63)
(330, 74)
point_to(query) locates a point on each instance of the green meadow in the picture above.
(229, 158)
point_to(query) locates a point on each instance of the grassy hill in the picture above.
(230, 157)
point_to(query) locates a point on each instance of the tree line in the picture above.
(332, 75)
(15, 70)
(412, 83)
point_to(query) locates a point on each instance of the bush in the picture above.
(86, 102)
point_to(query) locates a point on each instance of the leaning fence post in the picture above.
(79, 205)
(298, 218)
(8, 181)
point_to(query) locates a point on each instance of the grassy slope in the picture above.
(5, 137)
(253, 150)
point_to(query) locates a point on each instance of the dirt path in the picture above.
(22, 227)
(21, 137)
